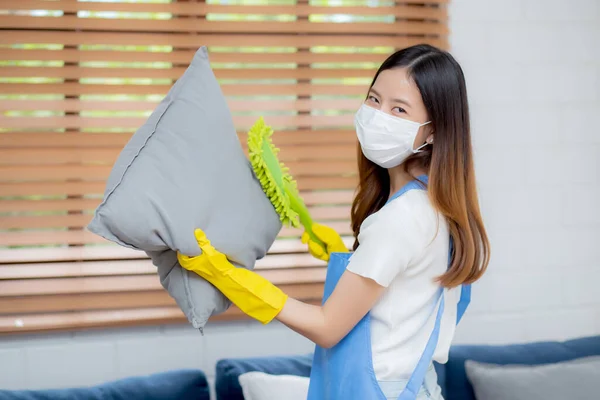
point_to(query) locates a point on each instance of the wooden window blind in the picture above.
(78, 77)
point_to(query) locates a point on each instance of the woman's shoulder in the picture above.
(413, 201)
(412, 209)
(392, 238)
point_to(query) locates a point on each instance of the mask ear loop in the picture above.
(418, 149)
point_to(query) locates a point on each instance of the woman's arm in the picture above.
(388, 243)
(326, 325)
(351, 299)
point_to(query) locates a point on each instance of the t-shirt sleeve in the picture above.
(391, 238)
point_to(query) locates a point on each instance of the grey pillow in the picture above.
(184, 169)
(573, 380)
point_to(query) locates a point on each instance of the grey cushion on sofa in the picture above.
(577, 379)
(184, 169)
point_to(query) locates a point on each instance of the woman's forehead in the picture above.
(395, 83)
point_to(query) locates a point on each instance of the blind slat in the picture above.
(222, 40)
(76, 269)
(317, 202)
(85, 301)
(14, 160)
(77, 89)
(204, 26)
(87, 188)
(202, 9)
(131, 283)
(96, 140)
(111, 252)
(36, 322)
(54, 156)
(122, 300)
(95, 172)
(135, 122)
(104, 319)
(79, 236)
(234, 105)
(82, 220)
(184, 56)
(174, 73)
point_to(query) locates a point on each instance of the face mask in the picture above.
(384, 139)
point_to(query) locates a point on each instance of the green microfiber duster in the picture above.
(276, 182)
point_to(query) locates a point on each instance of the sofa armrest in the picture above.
(227, 386)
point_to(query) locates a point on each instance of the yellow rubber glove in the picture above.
(329, 237)
(250, 292)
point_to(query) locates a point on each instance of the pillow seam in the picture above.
(188, 295)
(145, 144)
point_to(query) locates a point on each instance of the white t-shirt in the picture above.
(404, 247)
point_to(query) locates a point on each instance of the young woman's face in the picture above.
(396, 94)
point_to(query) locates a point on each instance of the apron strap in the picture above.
(463, 303)
(465, 291)
(418, 376)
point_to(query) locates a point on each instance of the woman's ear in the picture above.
(430, 139)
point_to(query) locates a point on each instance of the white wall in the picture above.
(533, 77)
(92, 357)
(533, 74)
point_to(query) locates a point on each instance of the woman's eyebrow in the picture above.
(375, 92)
(398, 100)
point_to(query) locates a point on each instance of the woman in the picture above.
(392, 305)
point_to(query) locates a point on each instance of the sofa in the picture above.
(452, 375)
(185, 384)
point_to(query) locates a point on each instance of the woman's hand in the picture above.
(332, 240)
(250, 292)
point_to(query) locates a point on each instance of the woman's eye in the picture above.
(399, 110)
(373, 99)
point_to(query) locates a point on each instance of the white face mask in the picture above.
(384, 139)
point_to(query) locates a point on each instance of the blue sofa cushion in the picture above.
(458, 386)
(227, 386)
(172, 385)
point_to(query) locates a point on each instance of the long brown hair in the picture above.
(449, 162)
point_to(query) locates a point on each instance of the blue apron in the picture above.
(345, 371)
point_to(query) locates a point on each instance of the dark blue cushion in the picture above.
(458, 386)
(227, 385)
(440, 370)
(172, 385)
